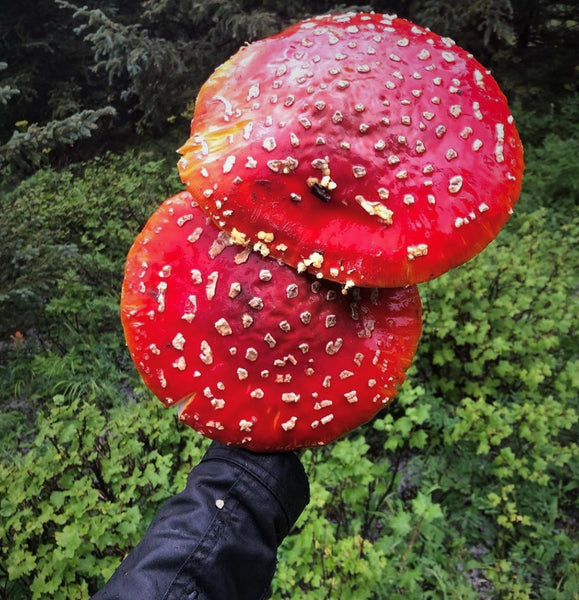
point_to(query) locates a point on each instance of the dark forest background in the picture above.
(465, 487)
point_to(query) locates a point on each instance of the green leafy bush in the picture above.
(30, 148)
(84, 494)
(64, 237)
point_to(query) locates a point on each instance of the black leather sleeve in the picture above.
(218, 539)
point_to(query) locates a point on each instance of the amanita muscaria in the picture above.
(357, 146)
(255, 353)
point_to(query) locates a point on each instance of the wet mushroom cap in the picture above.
(370, 150)
(251, 351)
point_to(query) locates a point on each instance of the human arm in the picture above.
(218, 538)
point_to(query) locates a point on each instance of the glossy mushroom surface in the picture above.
(364, 148)
(253, 352)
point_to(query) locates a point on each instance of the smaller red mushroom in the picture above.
(251, 351)
(373, 151)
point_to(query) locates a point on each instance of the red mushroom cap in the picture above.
(374, 151)
(253, 352)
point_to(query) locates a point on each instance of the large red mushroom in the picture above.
(357, 146)
(253, 352)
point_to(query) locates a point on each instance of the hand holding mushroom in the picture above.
(364, 153)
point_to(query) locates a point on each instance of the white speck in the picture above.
(245, 425)
(455, 110)
(269, 144)
(206, 355)
(358, 171)
(351, 397)
(451, 154)
(251, 354)
(242, 374)
(327, 419)
(499, 148)
(161, 289)
(415, 251)
(408, 199)
(483, 207)
(288, 425)
(292, 290)
(228, 166)
(257, 393)
(455, 184)
(477, 145)
(251, 163)
(466, 133)
(219, 503)
(246, 320)
(193, 237)
(234, 289)
(180, 364)
(211, 285)
(256, 303)
(217, 403)
(223, 328)
(331, 321)
(162, 380)
(253, 92)
(247, 131)
(290, 397)
(333, 347)
(178, 342)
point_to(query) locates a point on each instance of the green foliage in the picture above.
(29, 149)
(84, 494)
(148, 73)
(490, 18)
(6, 91)
(64, 237)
